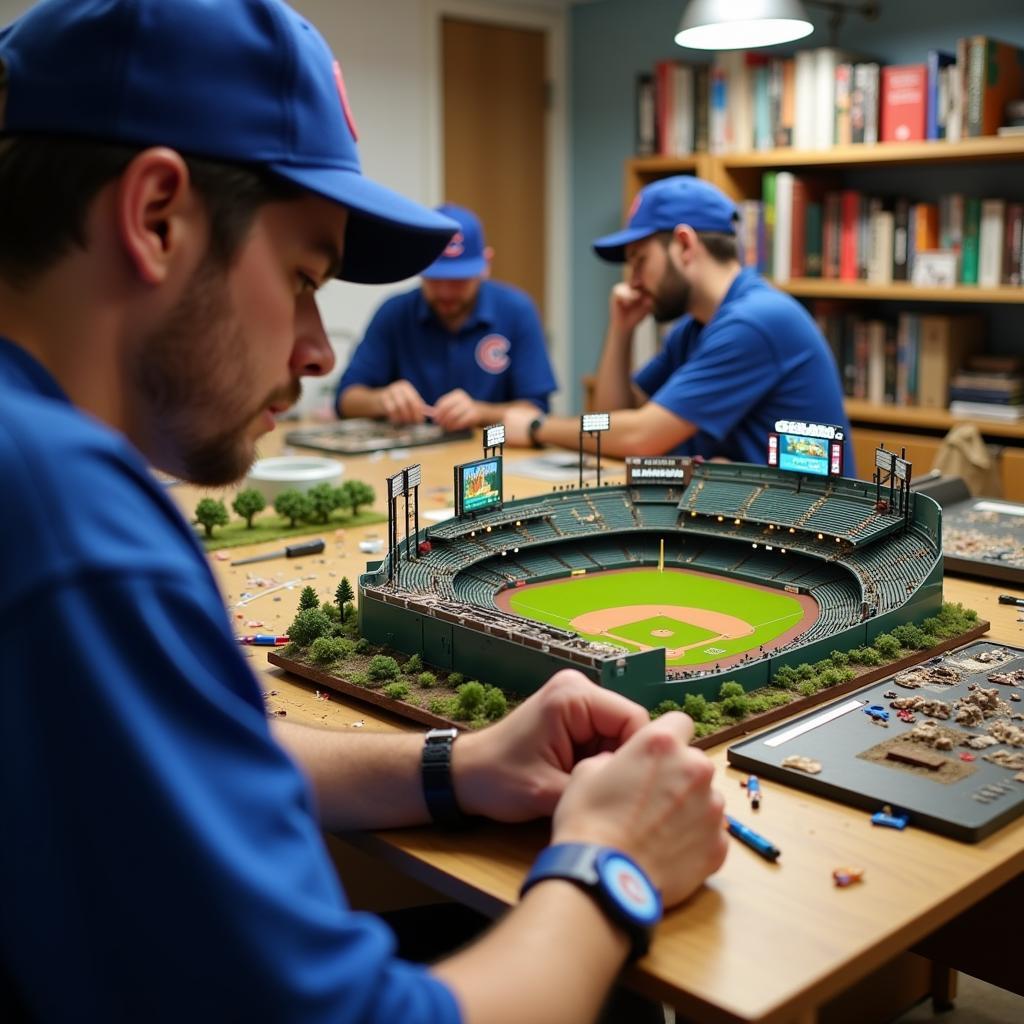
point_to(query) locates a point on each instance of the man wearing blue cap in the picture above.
(743, 356)
(460, 349)
(176, 181)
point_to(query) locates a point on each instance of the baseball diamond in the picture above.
(698, 618)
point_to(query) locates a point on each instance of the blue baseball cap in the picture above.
(241, 81)
(463, 256)
(666, 203)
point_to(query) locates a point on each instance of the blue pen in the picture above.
(750, 838)
(263, 640)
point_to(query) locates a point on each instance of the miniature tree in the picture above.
(293, 505)
(382, 667)
(308, 599)
(471, 698)
(249, 503)
(355, 493)
(343, 596)
(495, 704)
(211, 512)
(307, 626)
(414, 664)
(323, 500)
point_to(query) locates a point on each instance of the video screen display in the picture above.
(480, 485)
(800, 454)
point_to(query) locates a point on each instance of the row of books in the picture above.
(823, 97)
(907, 360)
(800, 229)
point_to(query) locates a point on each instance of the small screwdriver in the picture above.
(309, 547)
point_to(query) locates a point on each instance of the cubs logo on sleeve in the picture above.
(492, 353)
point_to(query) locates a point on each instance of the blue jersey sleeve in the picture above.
(531, 375)
(374, 364)
(650, 377)
(162, 838)
(732, 369)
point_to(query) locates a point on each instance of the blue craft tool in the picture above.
(750, 838)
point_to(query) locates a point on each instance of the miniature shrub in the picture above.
(444, 706)
(805, 671)
(807, 688)
(830, 677)
(331, 611)
(735, 705)
(713, 714)
(495, 705)
(358, 679)
(326, 649)
(414, 664)
(758, 704)
(456, 678)
(664, 708)
(870, 656)
(471, 698)
(426, 680)
(363, 646)
(840, 659)
(776, 698)
(888, 646)
(382, 667)
(703, 729)
(308, 625)
(696, 706)
(731, 689)
(785, 677)
(396, 691)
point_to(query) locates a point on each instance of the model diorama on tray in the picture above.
(941, 744)
(725, 588)
(361, 436)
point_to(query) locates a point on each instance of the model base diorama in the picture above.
(729, 590)
(363, 436)
(941, 744)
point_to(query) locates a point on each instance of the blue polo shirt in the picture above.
(161, 851)
(759, 359)
(497, 356)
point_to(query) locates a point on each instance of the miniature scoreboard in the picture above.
(942, 743)
(812, 448)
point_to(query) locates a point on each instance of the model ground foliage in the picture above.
(326, 636)
(294, 514)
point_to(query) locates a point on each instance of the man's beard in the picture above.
(192, 387)
(672, 298)
(457, 312)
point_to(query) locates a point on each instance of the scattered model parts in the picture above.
(804, 764)
(930, 706)
(920, 675)
(1003, 732)
(980, 742)
(847, 876)
(1006, 759)
(1015, 678)
(877, 714)
(889, 819)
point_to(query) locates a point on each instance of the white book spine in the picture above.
(782, 243)
(880, 258)
(803, 123)
(990, 242)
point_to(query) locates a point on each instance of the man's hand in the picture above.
(627, 307)
(517, 420)
(652, 799)
(401, 403)
(517, 769)
(456, 411)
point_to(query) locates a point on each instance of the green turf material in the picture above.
(770, 612)
(683, 633)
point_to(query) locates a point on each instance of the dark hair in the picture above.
(47, 185)
(722, 248)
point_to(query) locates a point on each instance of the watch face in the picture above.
(629, 887)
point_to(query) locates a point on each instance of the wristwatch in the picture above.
(616, 882)
(436, 771)
(535, 424)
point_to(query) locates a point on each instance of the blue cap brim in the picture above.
(455, 270)
(613, 247)
(389, 237)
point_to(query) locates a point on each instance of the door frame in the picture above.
(553, 23)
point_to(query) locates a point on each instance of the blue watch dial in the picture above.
(629, 887)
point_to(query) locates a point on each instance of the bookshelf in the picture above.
(739, 176)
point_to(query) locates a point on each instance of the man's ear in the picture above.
(686, 241)
(489, 257)
(156, 208)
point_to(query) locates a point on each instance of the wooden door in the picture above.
(495, 153)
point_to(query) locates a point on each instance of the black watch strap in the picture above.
(436, 771)
(535, 424)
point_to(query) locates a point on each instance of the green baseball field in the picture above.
(697, 618)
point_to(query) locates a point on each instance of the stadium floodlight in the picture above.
(594, 422)
(885, 459)
(413, 475)
(396, 485)
(494, 436)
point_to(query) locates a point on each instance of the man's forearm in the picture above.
(613, 388)
(361, 782)
(494, 412)
(628, 435)
(360, 400)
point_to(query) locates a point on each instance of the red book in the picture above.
(904, 103)
(831, 235)
(849, 233)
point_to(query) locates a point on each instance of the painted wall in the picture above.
(611, 41)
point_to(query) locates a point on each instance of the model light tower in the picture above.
(494, 440)
(594, 424)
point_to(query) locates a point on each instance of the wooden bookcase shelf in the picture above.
(901, 291)
(917, 418)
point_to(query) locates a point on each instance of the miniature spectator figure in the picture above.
(177, 180)
(460, 349)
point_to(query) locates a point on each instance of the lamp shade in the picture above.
(742, 24)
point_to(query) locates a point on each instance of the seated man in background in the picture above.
(743, 355)
(459, 350)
